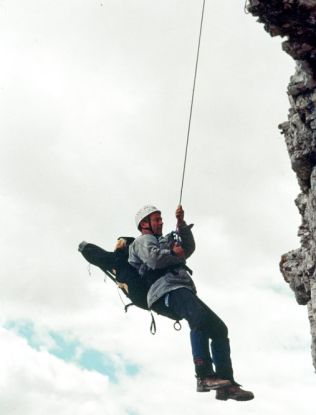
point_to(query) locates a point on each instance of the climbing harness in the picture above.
(192, 102)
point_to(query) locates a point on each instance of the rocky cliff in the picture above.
(296, 21)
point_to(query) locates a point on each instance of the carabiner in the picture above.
(177, 325)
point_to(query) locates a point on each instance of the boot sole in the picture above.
(203, 390)
(236, 398)
(222, 399)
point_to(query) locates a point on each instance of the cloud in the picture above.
(71, 351)
(95, 104)
(36, 382)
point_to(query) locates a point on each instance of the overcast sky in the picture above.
(94, 100)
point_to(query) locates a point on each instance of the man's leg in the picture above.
(201, 353)
(205, 325)
(199, 341)
(218, 333)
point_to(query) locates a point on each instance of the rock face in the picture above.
(296, 20)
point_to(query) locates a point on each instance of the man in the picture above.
(174, 287)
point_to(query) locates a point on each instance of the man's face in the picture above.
(156, 223)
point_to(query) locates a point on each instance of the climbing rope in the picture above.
(192, 101)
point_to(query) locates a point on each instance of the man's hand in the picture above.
(120, 244)
(178, 250)
(180, 215)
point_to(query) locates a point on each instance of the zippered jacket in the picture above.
(149, 252)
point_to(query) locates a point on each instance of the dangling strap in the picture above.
(127, 306)
(153, 327)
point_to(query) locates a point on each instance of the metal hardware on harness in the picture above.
(177, 325)
(173, 237)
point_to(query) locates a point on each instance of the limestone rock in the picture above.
(296, 20)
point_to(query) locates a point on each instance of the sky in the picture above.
(94, 98)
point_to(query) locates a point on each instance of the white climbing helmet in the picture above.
(144, 212)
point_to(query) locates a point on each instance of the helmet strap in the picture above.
(150, 227)
(147, 219)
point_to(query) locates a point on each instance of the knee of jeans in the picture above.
(200, 320)
(220, 331)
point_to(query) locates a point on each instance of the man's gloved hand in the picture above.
(180, 215)
(82, 245)
(178, 250)
(120, 244)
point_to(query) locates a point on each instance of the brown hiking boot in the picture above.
(234, 392)
(211, 383)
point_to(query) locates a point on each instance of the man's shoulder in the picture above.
(145, 239)
(142, 243)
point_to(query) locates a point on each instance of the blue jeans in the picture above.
(205, 326)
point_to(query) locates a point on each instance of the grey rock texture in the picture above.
(296, 21)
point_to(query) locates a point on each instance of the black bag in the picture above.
(115, 265)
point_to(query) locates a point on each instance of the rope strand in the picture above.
(192, 101)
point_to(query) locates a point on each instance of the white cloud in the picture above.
(36, 383)
(95, 101)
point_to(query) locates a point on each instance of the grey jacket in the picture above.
(148, 252)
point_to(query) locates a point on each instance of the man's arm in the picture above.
(185, 233)
(187, 238)
(147, 249)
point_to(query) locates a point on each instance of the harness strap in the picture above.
(153, 328)
(188, 269)
(127, 306)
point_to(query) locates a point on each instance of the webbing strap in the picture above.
(127, 306)
(153, 328)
